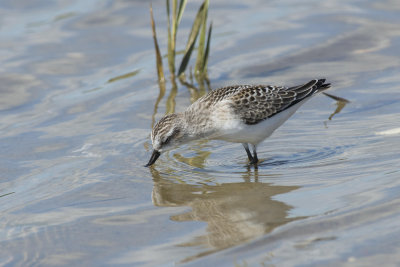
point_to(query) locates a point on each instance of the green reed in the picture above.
(160, 71)
(198, 31)
(7, 194)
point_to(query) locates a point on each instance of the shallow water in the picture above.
(78, 94)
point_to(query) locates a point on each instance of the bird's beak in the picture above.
(153, 158)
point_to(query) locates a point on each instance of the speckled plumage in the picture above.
(242, 113)
(255, 103)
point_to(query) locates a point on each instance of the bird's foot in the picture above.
(254, 162)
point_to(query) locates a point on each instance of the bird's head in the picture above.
(166, 134)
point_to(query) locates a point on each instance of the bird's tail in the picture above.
(309, 89)
(313, 86)
(321, 85)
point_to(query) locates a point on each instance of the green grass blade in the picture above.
(7, 194)
(207, 51)
(160, 71)
(196, 26)
(182, 5)
(192, 39)
(168, 26)
(174, 29)
(123, 76)
(174, 26)
(171, 42)
(185, 59)
(200, 51)
(168, 12)
(174, 9)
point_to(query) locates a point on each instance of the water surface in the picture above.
(78, 97)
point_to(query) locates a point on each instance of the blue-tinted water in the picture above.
(77, 99)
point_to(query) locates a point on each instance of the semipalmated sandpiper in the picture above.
(245, 114)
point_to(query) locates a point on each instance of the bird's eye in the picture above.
(167, 140)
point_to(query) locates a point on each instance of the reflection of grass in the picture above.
(200, 158)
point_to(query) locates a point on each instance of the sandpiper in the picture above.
(245, 114)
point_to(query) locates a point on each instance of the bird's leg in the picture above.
(255, 158)
(246, 147)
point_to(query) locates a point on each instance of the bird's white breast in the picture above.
(232, 129)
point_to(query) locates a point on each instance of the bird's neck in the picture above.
(197, 125)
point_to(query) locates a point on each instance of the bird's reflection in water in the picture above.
(235, 212)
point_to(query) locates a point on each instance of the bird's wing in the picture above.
(220, 94)
(257, 103)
